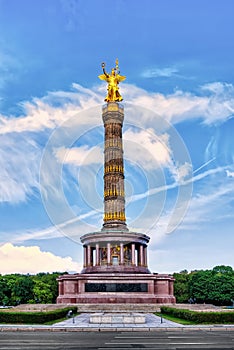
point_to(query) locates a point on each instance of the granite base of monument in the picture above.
(111, 288)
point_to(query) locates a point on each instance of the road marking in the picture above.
(164, 343)
(155, 337)
(28, 347)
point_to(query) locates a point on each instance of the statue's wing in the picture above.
(102, 77)
(121, 78)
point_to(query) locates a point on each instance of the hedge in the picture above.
(34, 317)
(200, 317)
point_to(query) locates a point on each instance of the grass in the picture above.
(50, 323)
(185, 322)
(175, 319)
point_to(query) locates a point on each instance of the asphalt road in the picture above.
(160, 340)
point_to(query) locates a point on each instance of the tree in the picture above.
(5, 291)
(22, 291)
(199, 285)
(214, 286)
(47, 289)
(181, 286)
(42, 292)
(9, 282)
(40, 288)
(222, 269)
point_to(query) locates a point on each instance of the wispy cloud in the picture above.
(173, 215)
(80, 156)
(230, 173)
(9, 66)
(209, 204)
(165, 72)
(41, 114)
(73, 229)
(146, 148)
(19, 163)
(206, 204)
(204, 165)
(72, 10)
(176, 184)
(24, 137)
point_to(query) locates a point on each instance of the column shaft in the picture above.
(97, 255)
(145, 256)
(108, 254)
(85, 255)
(133, 254)
(141, 258)
(114, 197)
(121, 254)
(89, 255)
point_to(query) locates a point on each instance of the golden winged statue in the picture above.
(113, 79)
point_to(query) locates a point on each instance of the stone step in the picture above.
(116, 308)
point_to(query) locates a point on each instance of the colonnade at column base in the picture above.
(114, 269)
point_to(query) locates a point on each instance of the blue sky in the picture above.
(178, 134)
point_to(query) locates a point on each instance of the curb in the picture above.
(11, 328)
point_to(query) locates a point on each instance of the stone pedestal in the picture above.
(115, 288)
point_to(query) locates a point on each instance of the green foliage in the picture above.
(46, 287)
(34, 317)
(22, 289)
(214, 286)
(200, 317)
(181, 286)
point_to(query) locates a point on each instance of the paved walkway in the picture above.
(82, 321)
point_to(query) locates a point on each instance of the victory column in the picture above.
(115, 268)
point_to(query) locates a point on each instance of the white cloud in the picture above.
(204, 165)
(175, 184)
(73, 229)
(219, 88)
(174, 213)
(9, 66)
(230, 173)
(19, 163)
(80, 156)
(21, 259)
(209, 203)
(181, 172)
(147, 149)
(42, 114)
(218, 106)
(165, 72)
(24, 137)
